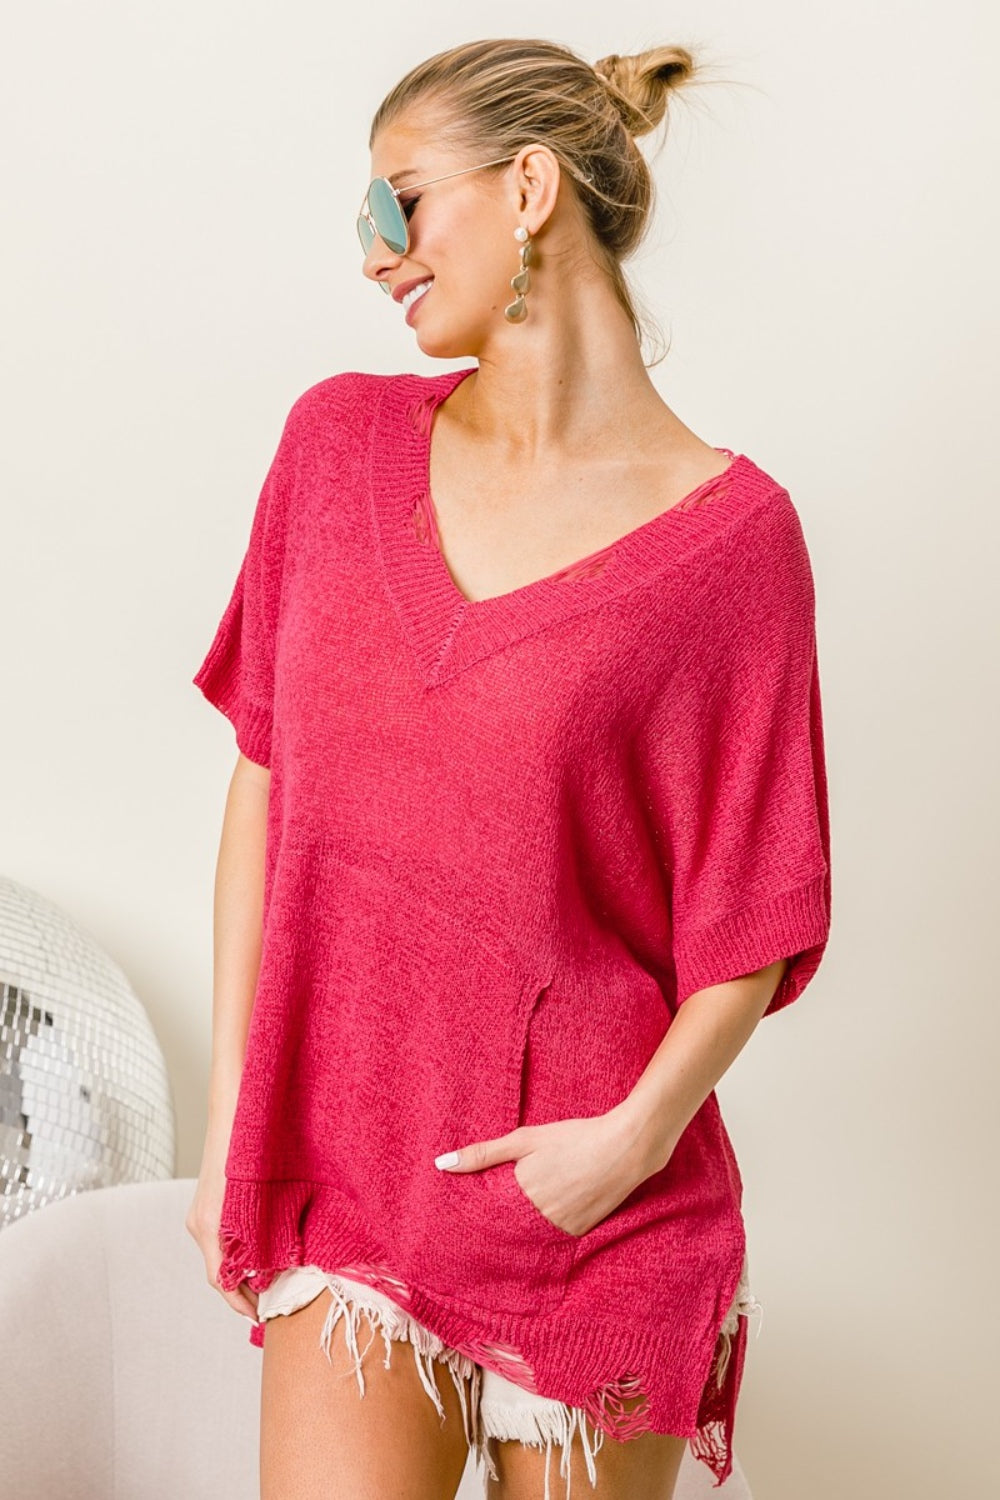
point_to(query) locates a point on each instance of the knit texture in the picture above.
(507, 839)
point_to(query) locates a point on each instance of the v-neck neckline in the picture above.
(448, 631)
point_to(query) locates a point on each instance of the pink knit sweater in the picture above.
(506, 839)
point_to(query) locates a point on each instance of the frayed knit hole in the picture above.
(420, 413)
(712, 489)
(424, 521)
(710, 1445)
(620, 1408)
(507, 1362)
(587, 567)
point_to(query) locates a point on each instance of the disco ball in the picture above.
(84, 1096)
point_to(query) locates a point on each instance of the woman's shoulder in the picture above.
(343, 406)
(351, 398)
(343, 393)
(362, 388)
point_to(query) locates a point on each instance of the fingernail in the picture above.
(448, 1159)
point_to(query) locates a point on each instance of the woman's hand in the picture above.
(574, 1171)
(202, 1221)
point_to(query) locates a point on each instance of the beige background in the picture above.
(180, 263)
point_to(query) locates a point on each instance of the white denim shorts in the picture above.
(497, 1409)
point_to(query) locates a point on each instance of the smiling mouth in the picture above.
(415, 293)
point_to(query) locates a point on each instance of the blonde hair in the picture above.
(493, 97)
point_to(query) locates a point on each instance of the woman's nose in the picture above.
(380, 261)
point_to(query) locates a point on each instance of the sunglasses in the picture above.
(382, 213)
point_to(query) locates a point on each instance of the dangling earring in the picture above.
(516, 312)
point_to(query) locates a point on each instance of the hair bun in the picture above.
(638, 85)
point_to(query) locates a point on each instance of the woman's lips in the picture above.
(414, 305)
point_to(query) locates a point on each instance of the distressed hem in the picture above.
(672, 1367)
(537, 1428)
(349, 1301)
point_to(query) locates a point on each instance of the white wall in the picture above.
(180, 262)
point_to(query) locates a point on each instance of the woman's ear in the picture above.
(536, 174)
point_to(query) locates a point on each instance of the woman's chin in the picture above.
(440, 346)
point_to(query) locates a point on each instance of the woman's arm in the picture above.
(705, 1036)
(237, 933)
(577, 1171)
(237, 925)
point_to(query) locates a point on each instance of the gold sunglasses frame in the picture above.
(365, 213)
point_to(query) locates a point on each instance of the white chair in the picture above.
(125, 1376)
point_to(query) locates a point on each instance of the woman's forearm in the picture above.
(706, 1034)
(237, 924)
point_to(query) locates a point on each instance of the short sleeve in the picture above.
(737, 763)
(237, 675)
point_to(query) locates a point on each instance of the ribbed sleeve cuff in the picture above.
(793, 924)
(218, 680)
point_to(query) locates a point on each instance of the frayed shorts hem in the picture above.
(494, 1409)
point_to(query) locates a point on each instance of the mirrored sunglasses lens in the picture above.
(388, 216)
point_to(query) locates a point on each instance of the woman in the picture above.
(527, 832)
